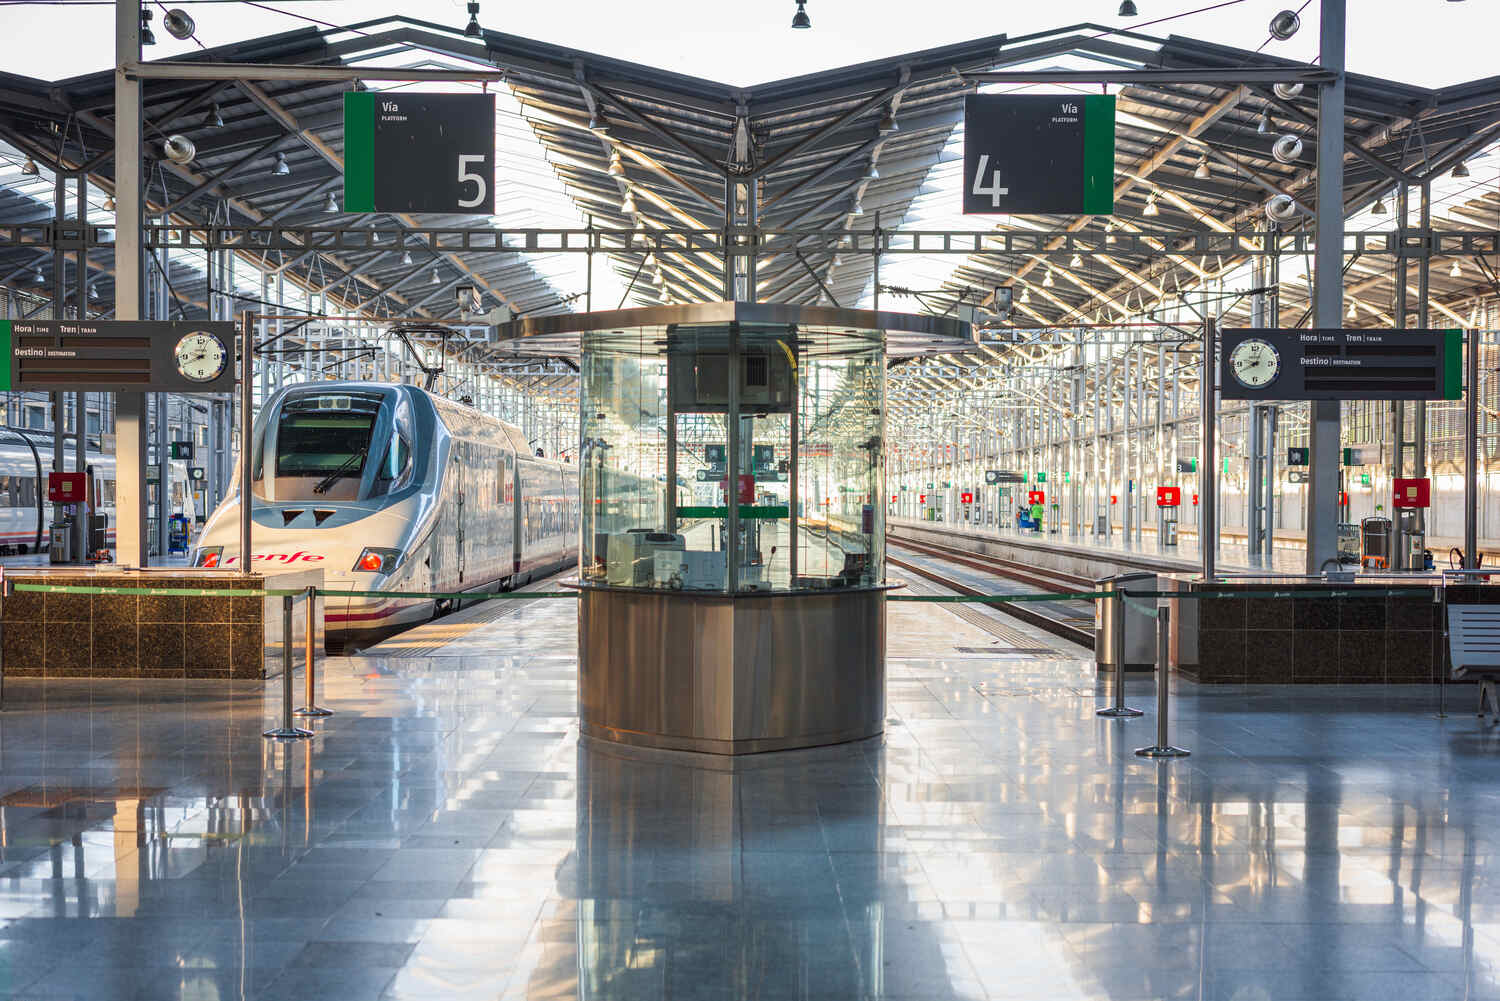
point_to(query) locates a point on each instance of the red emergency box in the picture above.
(966, 497)
(66, 488)
(1036, 497)
(1412, 492)
(1168, 496)
(1114, 498)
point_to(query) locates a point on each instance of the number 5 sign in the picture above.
(1039, 154)
(406, 152)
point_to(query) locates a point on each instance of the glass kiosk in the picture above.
(733, 538)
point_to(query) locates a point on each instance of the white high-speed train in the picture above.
(390, 488)
(25, 514)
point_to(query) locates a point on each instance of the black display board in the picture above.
(111, 356)
(407, 152)
(1327, 364)
(1039, 154)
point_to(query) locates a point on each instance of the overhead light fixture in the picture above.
(179, 24)
(406, 257)
(1456, 271)
(1026, 294)
(38, 277)
(1350, 313)
(1284, 25)
(331, 205)
(1287, 91)
(147, 37)
(598, 123)
(1461, 169)
(1127, 8)
(1076, 261)
(800, 20)
(1263, 125)
(179, 149)
(1150, 208)
(435, 279)
(472, 29)
(29, 168)
(858, 207)
(887, 123)
(282, 168)
(213, 119)
(627, 204)
(616, 165)
(1287, 148)
(93, 291)
(1201, 171)
(873, 174)
(109, 203)
(657, 279)
(1379, 207)
(1047, 282)
(1281, 208)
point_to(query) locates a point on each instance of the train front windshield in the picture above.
(325, 443)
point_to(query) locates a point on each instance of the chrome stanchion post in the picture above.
(286, 731)
(311, 708)
(1163, 747)
(1117, 639)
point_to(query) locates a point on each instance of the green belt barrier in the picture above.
(195, 592)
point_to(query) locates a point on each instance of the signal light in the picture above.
(371, 561)
(210, 560)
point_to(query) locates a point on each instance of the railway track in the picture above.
(1057, 619)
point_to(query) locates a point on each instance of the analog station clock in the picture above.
(1254, 363)
(200, 356)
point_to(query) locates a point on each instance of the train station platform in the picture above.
(448, 835)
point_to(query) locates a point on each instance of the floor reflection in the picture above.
(448, 836)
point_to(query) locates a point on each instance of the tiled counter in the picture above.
(1379, 638)
(149, 636)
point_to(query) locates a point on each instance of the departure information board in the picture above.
(1039, 154)
(1341, 364)
(113, 356)
(406, 152)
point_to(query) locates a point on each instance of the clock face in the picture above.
(1254, 363)
(201, 356)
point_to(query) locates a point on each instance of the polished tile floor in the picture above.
(446, 836)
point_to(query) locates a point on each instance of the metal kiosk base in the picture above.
(731, 674)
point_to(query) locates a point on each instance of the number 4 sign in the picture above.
(993, 189)
(1055, 153)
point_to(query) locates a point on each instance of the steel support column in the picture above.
(130, 422)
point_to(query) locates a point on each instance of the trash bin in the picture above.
(1169, 533)
(1375, 543)
(1140, 626)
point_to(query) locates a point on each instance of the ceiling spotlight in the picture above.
(1076, 261)
(800, 19)
(38, 277)
(179, 24)
(331, 205)
(1287, 148)
(1047, 282)
(1379, 207)
(616, 165)
(872, 174)
(282, 168)
(147, 38)
(1456, 271)
(109, 203)
(1351, 314)
(1151, 208)
(213, 119)
(857, 207)
(598, 123)
(1201, 171)
(179, 149)
(28, 167)
(93, 291)
(1127, 8)
(435, 279)
(406, 257)
(1284, 25)
(657, 279)
(1287, 91)
(887, 123)
(627, 204)
(1026, 294)
(1281, 208)
(1461, 169)
(472, 29)
(1263, 126)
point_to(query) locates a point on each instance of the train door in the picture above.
(460, 459)
(518, 524)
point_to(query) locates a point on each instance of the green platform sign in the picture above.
(406, 152)
(1039, 154)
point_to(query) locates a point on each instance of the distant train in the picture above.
(390, 488)
(24, 512)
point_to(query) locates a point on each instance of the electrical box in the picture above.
(700, 380)
(966, 497)
(1168, 496)
(1036, 497)
(66, 488)
(1412, 492)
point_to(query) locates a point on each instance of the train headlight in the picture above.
(208, 557)
(375, 560)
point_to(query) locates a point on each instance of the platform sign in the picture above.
(1361, 456)
(1296, 476)
(113, 356)
(994, 476)
(181, 450)
(196, 474)
(406, 152)
(1328, 364)
(1187, 465)
(1039, 154)
(1041, 477)
(1297, 456)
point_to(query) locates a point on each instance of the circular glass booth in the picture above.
(733, 553)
